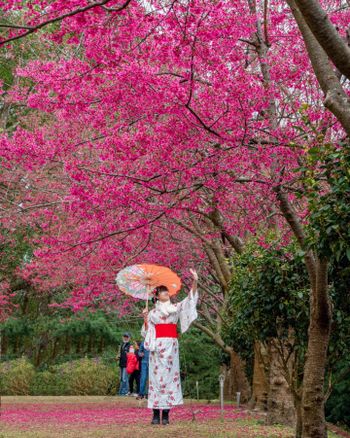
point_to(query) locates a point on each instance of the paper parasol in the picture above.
(140, 280)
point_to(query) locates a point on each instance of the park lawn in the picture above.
(107, 417)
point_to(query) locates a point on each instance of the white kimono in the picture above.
(164, 390)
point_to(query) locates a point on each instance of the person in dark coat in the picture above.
(122, 357)
(144, 354)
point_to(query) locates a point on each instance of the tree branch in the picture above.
(326, 34)
(214, 336)
(336, 100)
(32, 29)
(297, 228)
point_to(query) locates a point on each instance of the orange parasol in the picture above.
(140, 280)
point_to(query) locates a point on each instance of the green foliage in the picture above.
(57, 336)
(16, 377)
(339, 278)
(16, 327)
(200, 361)
(337, 406)
(15, 249)
(326, 182)
(324, 174)
(268, 296)
(23, 51)
(199, 358)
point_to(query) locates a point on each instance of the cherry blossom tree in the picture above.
(162, 113)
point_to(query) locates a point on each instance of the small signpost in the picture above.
(221, 380)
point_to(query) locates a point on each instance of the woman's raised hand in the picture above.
(194, 274)
(195, 280)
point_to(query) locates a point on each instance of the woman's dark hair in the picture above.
(158, 289)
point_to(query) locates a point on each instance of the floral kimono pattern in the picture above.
(164, 366)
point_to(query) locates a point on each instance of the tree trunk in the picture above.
(280, 401)
(89, 346)
(4, 345)
(67, 345)
(314, 423)
(101, 344)
(299, 418)
(55, 349)
(79, 345)
(235, 379)
(260, 387)
(326, 34)
(313, 398)
(25, 303)
(16, 345)
(235, 376)
(37, 359)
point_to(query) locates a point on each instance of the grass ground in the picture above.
(115, 417)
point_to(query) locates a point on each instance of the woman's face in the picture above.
(163, 296)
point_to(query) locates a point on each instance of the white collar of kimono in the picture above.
(166, 307)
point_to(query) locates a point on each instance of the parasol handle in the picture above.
(148, 291)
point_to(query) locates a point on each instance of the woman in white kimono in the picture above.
(160, 335)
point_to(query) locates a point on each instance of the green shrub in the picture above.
(48, 383)
(87, 377)
(78, 377)
(16, 377)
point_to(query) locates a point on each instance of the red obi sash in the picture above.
(166, 331)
